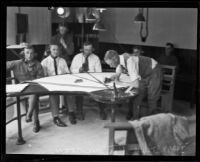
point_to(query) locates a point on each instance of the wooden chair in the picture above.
(130, 149)
(167, 92)
(10, 101)
(168, 84)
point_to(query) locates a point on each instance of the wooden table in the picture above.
(61, 85)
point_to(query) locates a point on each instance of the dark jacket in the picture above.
(24, 71)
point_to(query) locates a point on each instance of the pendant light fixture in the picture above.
(99, 26)
(139, 18)
(143, 21)
(90, 16)
(100, 9)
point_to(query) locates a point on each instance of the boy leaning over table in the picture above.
(27, 69)
(145, 74)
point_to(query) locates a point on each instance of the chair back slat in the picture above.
(168, 78)
(168, 84)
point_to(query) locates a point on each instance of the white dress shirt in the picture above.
(122, 60)
(48, 66)
(93, 63)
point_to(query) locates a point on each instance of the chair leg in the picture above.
(26, 105)
(111, 141)
(20, 140)
(62, 106)
(131, 140)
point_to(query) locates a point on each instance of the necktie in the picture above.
(125, 62)
(55, 66)
(85, 64)
(125, 67)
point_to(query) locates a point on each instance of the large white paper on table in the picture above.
(89, 82)
(15, 88)
(62, 88)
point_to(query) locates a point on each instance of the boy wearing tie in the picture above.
(55, 65)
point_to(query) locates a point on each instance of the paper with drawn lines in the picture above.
(15, 88)
(88, 82)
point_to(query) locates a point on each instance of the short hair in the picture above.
(137, 47)
(49, 47)
(54, 44)
(110, 54)
(87, 43)
(170, 44)
(29, 47)
(63, 25)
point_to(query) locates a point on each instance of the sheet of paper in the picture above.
(86, 82)
(70, 80)
(125, 78)
(61, 88)
(14, 88)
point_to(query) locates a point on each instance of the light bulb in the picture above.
(60, 10)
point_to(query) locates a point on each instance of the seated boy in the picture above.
(55, 65)
(28, 69)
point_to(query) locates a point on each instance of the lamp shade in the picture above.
(139, 18)
(99, 26)
(90, 18)
(100, 9)
(63, 12)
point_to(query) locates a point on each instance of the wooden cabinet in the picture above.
(39, 24)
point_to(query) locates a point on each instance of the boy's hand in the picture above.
(108, 80)
(63, 42)
(119, 70)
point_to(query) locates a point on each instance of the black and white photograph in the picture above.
(101, 80)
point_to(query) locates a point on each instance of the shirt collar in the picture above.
(87, 56)
(30, 63)
(54, 57)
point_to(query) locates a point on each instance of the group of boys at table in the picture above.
(144, 73)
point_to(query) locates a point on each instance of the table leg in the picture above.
(79, 105)
(20, 140)
(112, 133)
(112, 113)
(111, 141)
